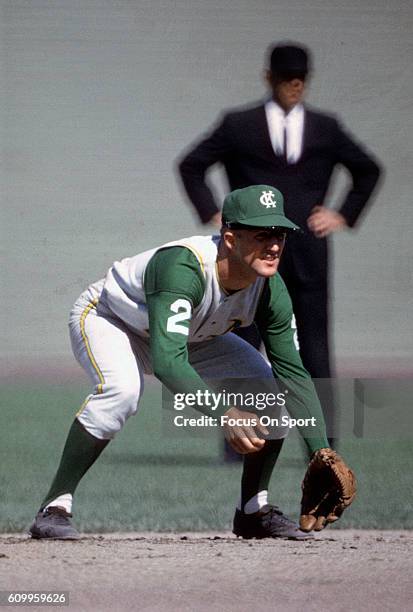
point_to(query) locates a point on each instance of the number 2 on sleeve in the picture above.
(182, 308)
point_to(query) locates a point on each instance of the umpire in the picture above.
(283, 142)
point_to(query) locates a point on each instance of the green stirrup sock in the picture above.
(258, 468)
(79, 454)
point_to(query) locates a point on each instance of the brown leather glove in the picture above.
(329, 487)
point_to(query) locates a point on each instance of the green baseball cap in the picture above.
(255, 206)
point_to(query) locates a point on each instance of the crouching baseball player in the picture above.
(169, 311)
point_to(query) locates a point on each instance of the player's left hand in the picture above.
(324, 221)
(329, 487)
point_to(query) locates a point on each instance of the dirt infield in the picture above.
(339, 570)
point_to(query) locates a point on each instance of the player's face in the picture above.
(259, 251)
(287, 93)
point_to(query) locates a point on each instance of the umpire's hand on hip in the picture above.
(325, 221)
(241, 429)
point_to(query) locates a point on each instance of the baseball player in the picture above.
(169, 311)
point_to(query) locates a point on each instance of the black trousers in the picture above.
(311, 309)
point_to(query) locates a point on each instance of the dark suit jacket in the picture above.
(241, 142)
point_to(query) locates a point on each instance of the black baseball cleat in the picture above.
(269, 522)
(53, 524)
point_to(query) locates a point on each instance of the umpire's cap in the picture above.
(255, 206)
(290, 61)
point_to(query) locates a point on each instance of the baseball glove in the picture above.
(328, 488)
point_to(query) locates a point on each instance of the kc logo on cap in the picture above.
(267, 199)
(255, 206)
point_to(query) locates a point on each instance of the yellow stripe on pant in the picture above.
(86, 311)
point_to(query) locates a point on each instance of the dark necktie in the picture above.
(285, 150)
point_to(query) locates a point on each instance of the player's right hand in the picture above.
(241, 431)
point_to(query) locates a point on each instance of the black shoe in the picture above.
(54, 524)
(269, 522)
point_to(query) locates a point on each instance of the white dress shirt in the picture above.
(294, 123)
